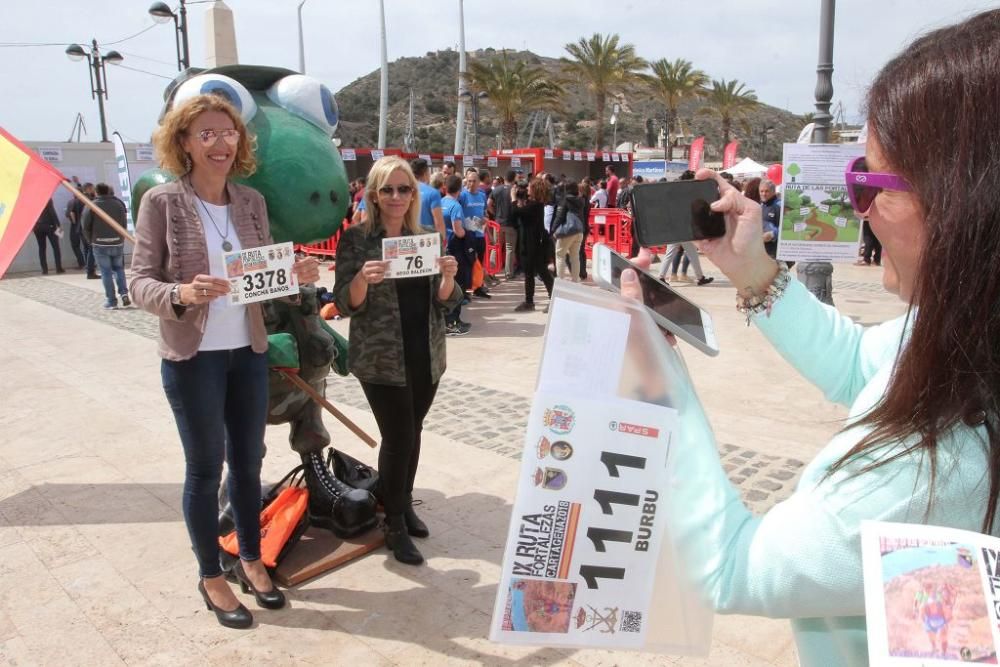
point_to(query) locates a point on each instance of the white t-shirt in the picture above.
(228, 325)
(600, 198)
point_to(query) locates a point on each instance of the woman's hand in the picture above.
(448, 266)
(306, 270)
(372, 272)
(740, 253)
(203, 289)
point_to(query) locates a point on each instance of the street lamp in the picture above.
(765, 132)
(302, 48)
(474, 99)
(98, 87)
(824, 73)
(161, 13)
(615, 108)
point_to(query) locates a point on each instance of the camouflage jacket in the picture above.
(375, 353)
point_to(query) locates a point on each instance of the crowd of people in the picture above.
(94, 242)
(543, 224)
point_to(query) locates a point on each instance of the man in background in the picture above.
(499, 206)
(430, 198)
(107, 244)
(77, 212)
(473, 203)
(612, 180)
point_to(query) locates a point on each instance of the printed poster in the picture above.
(259, 274)
(932, 595)
(818, 222)
(585, 534)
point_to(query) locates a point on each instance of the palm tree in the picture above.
(729, 100)
(606, 68)
(513, 88)
(672, 82)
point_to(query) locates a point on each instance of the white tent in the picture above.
(747, 167)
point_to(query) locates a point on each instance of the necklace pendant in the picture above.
(227, 246)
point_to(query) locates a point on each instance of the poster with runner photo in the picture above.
(932, 595)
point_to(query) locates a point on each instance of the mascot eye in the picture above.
(307, 98)
(217, 84)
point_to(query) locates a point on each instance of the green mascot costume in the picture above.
(302, 178)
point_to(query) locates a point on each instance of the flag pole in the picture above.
(292, 377)
(97, 211)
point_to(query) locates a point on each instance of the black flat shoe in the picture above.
(238, 619)
(414, 526)
(398, 540)
(272, 599)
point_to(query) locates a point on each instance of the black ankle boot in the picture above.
(398, 540)
(414, 526)
(334, 505)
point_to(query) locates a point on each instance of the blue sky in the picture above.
(770, 45)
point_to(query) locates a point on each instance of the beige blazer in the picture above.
(170, 249)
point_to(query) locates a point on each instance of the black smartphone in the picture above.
(674, 212)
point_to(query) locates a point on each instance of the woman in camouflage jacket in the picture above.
(397, 346)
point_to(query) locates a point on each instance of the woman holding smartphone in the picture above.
(528, 215)
(397, 335)
(922, 440)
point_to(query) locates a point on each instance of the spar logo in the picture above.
(634, 429)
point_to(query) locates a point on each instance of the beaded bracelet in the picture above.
(756, 304)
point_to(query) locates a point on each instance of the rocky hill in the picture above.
(434, 77)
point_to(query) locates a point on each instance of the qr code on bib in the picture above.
(631, 621)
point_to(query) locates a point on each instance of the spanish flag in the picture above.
(26, 185)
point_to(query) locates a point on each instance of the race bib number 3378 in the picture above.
(259, 274)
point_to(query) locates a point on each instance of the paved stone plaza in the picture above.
(96, 564)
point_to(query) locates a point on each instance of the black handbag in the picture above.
(352, 472)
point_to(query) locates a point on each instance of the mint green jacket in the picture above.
(802, 559)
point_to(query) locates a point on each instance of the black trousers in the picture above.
(873, 247)
(399, 413)
(40, 236)
(535, 263)
(75, 239)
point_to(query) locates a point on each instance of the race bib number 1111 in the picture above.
(259, 274)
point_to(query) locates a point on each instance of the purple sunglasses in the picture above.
(864, 185)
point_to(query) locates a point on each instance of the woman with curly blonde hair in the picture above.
(214, 367)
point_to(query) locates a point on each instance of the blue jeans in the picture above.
(111, 259)
(219, 400)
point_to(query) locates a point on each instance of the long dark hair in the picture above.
(934, 110)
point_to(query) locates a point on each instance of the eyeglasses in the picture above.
(209, 137)
(864, 185)
(401, 190)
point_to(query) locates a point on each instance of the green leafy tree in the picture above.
(793, 200)
(512, 88)
(672, 82)
(730, 101)
(794, 170)
(606, 68)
